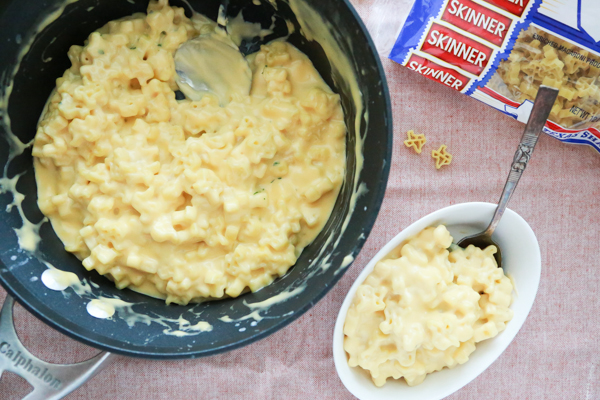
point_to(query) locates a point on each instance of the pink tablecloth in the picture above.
(556, 355)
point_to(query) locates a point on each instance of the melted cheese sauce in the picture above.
(186, 199)
(102, 307)
(56, 279)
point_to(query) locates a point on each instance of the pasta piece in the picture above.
(441, 157)
(415, 140)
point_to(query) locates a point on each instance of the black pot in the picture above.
(66, 311)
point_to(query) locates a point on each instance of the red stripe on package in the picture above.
(555, 127)
(457, 49)
(478, 20)
(498, 96)
(515, 7)
(436, 72)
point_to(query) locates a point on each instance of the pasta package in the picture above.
(501, 51)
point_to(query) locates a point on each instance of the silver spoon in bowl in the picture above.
(542, 106)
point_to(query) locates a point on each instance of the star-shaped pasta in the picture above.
(441, 156)
(415, 140)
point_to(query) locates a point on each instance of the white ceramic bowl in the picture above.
(520, 259)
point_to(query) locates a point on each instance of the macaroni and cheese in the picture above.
(423, 308)
(182, 199)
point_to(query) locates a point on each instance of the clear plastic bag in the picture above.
(540, 58)
(384, 22)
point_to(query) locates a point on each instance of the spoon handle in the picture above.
(542, 106)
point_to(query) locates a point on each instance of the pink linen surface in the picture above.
(556, 355)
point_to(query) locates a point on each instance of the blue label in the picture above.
(414, 28)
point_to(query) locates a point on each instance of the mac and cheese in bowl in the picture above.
(424, 307)
(180, 199)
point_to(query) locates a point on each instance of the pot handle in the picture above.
(49, 381)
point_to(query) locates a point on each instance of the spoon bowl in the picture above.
(522, 263)
(211, 63)
(481, 241)
(542, 107)
(216, 62)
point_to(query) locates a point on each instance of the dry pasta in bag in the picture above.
(501, 51)
(540, 58)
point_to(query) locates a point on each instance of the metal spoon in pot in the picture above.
(212, 63)
(215, 62)
(542, 106)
